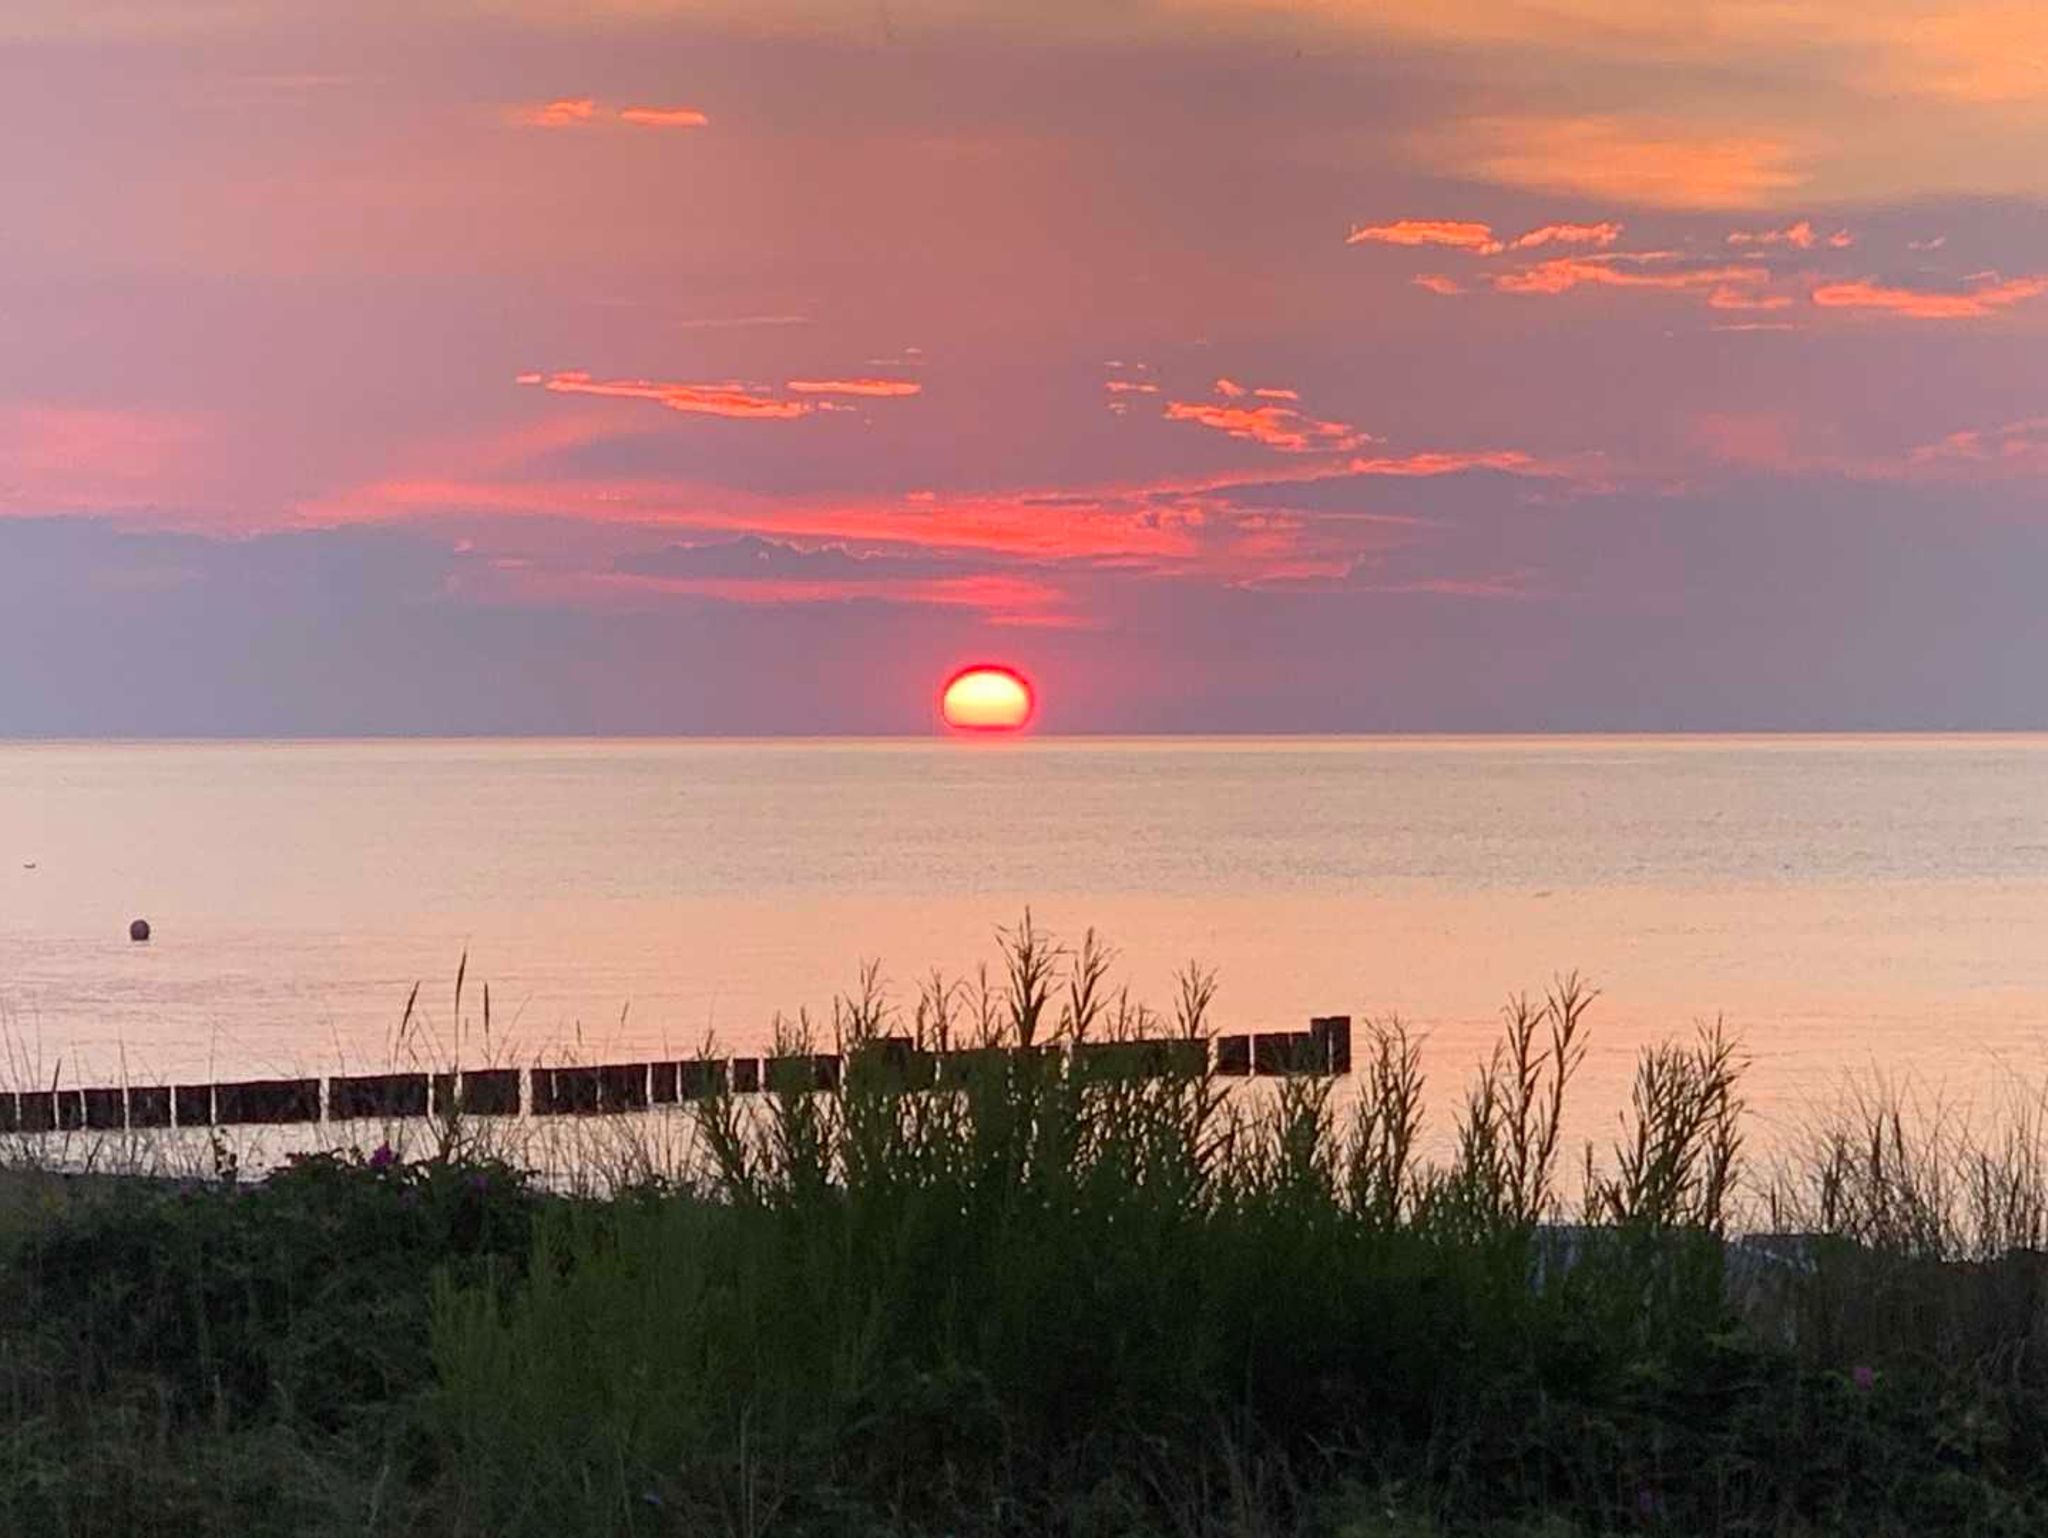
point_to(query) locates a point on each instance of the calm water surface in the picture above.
(1844, 903)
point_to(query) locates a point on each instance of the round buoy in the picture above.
(139, 931)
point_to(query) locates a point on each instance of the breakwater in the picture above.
(1324, 1049)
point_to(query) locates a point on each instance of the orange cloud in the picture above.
(567, 112)
(1480, 239)
(724, 398)
(1973, 53)
(1638, 271)
(1800, 236)
(1624, 161)
(874, 387)
(1990, 294)
(664, 117)
(1458, 234)
(1276, 427)
(1425, 465)
(727, 399)
(1438, 283)
(1605, 234)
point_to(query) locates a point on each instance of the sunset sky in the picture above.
(701, 367)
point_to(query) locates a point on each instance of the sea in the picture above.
(1853, 910)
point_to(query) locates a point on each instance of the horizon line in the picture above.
(987, 740)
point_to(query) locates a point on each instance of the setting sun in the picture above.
(987, 699)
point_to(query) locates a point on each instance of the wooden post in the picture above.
(106, 1110)
(194, 1104)
(149, 1106)
(622, 1087)
(1334, 1033)
(373, 1096)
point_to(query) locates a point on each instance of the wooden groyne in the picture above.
(609, 1089)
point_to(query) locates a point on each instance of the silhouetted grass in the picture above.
(1050, 1298)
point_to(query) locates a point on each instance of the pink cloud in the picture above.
(566, 112)
(1215, 527)
(1209, 525)
(2012, 447)
(98, 459)
(1756, 440)
(1438, 283)
(1105, 523)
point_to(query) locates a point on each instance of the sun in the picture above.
(987, 697)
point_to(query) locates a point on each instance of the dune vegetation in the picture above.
(1054, 1298)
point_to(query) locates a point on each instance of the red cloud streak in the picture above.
(876, 387)
(723, 398)
(727, 399)
(664, 117)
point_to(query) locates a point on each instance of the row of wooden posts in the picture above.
(607, 1089)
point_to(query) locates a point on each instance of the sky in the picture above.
(529, 366)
